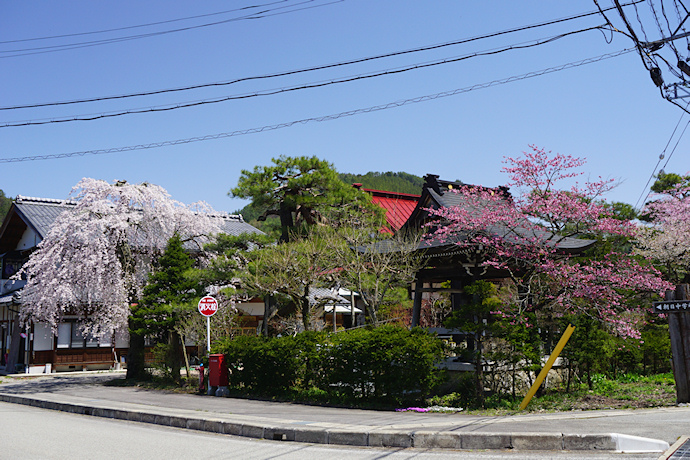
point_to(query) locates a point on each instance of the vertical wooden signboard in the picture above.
(677, 307)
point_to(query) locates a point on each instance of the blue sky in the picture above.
(609, 112)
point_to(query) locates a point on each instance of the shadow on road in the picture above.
(55, 384)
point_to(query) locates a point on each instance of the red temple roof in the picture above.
(398, 206)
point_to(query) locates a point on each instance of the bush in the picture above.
(262, 365)
(463, 396)
(388, 364)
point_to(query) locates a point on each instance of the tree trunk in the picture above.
(174, 354)
(305, 307)
(479, 371)
(186, 359)
(304, 301)
(372, 315)
(269, 308)
(589, 377)
(286, 222)
(136, 367)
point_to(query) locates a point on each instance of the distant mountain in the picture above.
(400, 182)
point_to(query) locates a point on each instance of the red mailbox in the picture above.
(217, 371)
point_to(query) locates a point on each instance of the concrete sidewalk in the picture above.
(641, 430)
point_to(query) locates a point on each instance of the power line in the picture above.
(257, 15)
(661, 157)
(336, 116)
(314, 68)
(170, 107)
(138, 26)
(676, 146)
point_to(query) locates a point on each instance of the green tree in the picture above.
(588, 350)
(290, 269)
(656, 347)
(369, 261)
(227, 267)
(168, 295)
(620, 210)
(5, 204)
(230, 257)
(297, 190)
(666, 182)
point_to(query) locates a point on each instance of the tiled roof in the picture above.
(40, 213)
(438, 193)
(9, 299)
(331, 297)
(235, 225)
(398, 206)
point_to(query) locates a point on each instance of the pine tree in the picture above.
(298, 190)
(167, 296)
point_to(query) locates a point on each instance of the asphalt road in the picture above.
(667, 424)
(32, 433)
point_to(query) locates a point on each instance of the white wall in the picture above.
(29, 240)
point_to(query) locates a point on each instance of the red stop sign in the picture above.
(208, 306)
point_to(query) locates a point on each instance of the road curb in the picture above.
(612, 442)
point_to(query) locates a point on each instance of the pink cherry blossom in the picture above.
(666, 238)
(524, 235)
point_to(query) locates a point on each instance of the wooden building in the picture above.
(448, 262)
(37, 349)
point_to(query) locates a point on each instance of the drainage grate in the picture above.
(682, 451)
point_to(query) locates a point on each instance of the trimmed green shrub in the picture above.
(388, 362)
(260, 364)
(385, 364)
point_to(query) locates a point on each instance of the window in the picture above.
(77, 338)
(70, 336)
(10, 264)
(64, 335)
(43, 337)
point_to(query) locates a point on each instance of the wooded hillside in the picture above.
(4, 205)
(400, 182)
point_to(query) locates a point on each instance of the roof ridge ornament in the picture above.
(33, 199)
(431, 181)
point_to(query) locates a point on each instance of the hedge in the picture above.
(388, 363)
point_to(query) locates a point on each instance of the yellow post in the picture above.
(542, 375)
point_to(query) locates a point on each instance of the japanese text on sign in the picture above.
(672, 305)
(208, 306)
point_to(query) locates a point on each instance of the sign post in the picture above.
(208, 306)
(677, 306)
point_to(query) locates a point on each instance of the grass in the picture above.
(625, 392)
